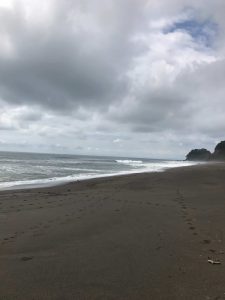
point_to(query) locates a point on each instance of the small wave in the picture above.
(143, 167)
(129, 162)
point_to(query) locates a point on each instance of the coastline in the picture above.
(51, 182)
(136, 236)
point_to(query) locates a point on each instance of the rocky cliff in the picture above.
(206, 155)
(198, 155)
(219, 153)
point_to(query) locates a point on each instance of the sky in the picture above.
(137, 78)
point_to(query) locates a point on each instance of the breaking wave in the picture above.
(22, 170)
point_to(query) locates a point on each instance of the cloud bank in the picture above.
(131, 77)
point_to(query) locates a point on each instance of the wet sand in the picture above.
(143, 236)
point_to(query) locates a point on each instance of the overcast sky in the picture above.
(115, 77)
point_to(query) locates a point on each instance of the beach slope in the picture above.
(143, 236)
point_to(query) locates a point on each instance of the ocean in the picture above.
(19, 170)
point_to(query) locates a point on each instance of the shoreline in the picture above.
(137, 236)
(54, 183)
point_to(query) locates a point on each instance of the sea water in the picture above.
(18, 170)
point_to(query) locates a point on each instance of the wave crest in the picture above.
(129, 162)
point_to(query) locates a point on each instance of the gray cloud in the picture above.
(90, 73)
(60, 64)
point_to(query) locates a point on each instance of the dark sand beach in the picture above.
(143, 236)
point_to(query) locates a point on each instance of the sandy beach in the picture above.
(140, 236)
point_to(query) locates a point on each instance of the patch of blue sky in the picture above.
(201, 31)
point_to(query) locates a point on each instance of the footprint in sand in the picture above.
(191, 227)
(26, 258)
(206, 241)
(212, 250)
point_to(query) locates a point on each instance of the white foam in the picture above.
(143, 167)
(133, 163)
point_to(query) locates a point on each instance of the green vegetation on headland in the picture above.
(206, 155)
